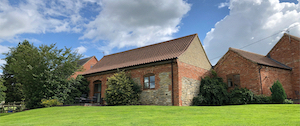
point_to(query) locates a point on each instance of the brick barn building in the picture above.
(168, 72)
(258, 73)
(86, 64)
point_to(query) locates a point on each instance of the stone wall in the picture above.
(189, 82)
(190, 89)
(160, 96)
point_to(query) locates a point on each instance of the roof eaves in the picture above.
(99, 72)
(274, 66)
(284, 66)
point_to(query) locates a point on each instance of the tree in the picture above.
(122, 90)
(42, 71)
(78, 87)
(278, 93)
(2, 91)
(14, 90)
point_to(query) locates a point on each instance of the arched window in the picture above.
(149, 81)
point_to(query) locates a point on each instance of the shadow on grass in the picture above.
(4, 114)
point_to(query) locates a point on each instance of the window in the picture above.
(149, 81)
(229, 82)
(97, 91)
(233, 80)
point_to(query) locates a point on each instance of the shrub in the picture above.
(50, 102)
(261, 99)
(240, 96)
(213, 90)
(198, 100)
(288, 101)
(122, 90)
(278, 93)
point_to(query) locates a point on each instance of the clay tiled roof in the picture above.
(259, 59)
(153, 53)
(81, 62)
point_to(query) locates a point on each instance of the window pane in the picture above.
(146, 85)
(146, 79)
(152, 79)
(97, 88)
(229, 82)
(152, 85)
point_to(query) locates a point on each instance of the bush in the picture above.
(288, 101)
(278, 93)
(198, 100)
(213, 90)
(240, 96)
(261, 99)
(122, 90)
(50, 102)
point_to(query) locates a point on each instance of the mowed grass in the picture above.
(271, 114)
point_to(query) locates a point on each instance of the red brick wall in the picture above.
(232, 63)
(86, 67)
(269, 75)
(287, 51)
(191, 72)
(103, 79)
(139, 73)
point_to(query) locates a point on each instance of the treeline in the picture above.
(34, 73)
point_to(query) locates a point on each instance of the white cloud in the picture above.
(3, 49)
(224, 4)
(2, 62)
(81, 49)
(135, 23)
(34, 16)
(250, 21)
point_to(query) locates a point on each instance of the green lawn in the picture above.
(273, 114)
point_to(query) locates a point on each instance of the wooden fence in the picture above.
(12, 107)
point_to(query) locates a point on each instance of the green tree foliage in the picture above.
(78, 87)
(122, 90)
(278, 93)
(14, 90)
(240, 96)
(213, 91)
(2, 90)
(42, 71)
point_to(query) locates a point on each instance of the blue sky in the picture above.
(101, 27)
